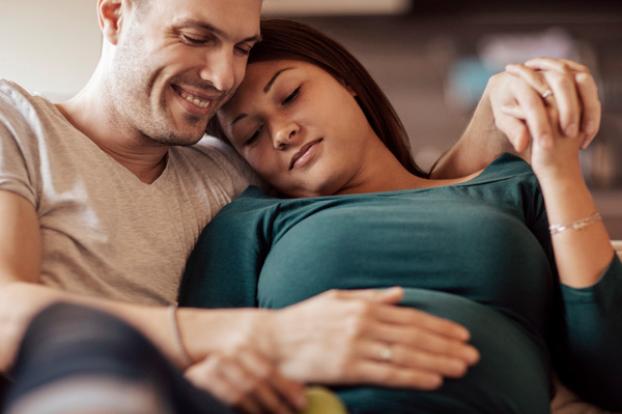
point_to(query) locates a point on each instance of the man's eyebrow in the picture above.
(199, 24)
(266, 88)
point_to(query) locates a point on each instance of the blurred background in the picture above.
(432, 58)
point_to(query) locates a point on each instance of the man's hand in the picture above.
(513, 108)
(518, 98)
(248, 381)
(354, 337)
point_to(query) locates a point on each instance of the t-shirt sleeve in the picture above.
(224, 267)
(16, 152)
(586, 328)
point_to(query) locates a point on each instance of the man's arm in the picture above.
(21, 296)
(298, 336)
(479, 144)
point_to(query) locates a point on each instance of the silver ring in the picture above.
(386, 353)
(547, 93)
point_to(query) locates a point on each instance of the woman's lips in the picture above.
(305, 154)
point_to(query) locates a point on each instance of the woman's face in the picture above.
(298, 127)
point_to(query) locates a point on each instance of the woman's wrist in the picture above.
(560, 174)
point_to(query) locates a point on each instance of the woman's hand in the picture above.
(247, 381)
(531, 88)
(555, 152)
(354, 337)
(493, 129)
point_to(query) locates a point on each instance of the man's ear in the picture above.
(110, 15)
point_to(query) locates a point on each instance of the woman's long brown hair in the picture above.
(286, 39)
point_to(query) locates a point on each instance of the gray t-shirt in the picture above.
(104, 232)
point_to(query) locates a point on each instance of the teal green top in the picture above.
(478, 253)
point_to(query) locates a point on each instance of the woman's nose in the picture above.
(285, 136)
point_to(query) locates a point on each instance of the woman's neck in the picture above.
(381, 171)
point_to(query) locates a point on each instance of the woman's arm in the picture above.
(581, 255)
(587, 342)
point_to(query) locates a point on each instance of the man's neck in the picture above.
(92, 113)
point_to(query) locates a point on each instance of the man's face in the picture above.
(178, 61)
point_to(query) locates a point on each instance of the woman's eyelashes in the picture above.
(291, 97)
(288, 100)
(250, 140)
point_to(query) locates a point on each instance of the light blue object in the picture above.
(467, 80)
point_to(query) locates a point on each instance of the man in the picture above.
(102, 198)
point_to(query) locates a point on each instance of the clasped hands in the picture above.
(548, 109)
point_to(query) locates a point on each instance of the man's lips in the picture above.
(201, 100)
(303, 150)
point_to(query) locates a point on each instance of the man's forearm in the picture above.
(478, 146)
(203, 330)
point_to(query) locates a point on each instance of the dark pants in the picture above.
(67, 341)
(4, 385)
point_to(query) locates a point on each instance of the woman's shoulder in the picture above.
(507, 166)
(251, 202)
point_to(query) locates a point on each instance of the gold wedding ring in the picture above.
(547, 93)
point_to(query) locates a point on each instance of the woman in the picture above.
(354, 211)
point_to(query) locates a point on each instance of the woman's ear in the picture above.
(110, 15)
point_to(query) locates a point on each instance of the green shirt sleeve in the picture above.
(586, 327)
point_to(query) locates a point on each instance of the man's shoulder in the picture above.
(213, 153)
(211, 145)
(19, 108)
(14, 95)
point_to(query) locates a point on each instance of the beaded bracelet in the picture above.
(576, 225)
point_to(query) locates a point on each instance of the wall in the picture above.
(49, 46)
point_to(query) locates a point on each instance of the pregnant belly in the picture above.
(512, 375)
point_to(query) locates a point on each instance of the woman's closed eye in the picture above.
(253, 138)
(291, 97)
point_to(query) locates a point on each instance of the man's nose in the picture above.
(219, 69)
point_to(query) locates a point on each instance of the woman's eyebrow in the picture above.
(266, 89)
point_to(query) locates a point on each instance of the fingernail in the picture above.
(301, 402)
(572, 130)
(436, 382)
(473, 355)
(464, 334)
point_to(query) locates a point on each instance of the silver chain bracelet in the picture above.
(576, 225)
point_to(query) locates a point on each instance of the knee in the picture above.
(65, 331)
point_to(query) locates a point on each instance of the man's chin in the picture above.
(179, 138)
(181, 141)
